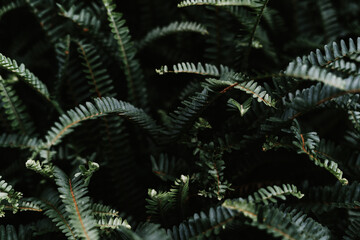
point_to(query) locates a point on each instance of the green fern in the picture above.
(9, 197)
(25, 74)
(15, 109)
(246, 3)
(127, 51)
(102, 107)
(12, 5)
(77, 205)
(279, 222)
(172, 28)
(208, 70)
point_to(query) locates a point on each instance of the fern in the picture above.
(95, 72)
(8, 196)
(203, 225)
(18, 141)
(270, 193)
(127, 51)
(9, 232)
(102, 107)
(315, 74)
(15, 110)
(174, 27)
(280, 222)
(12, 5)
(209, 70)
(77, 205)
(25, 74)
(246, 3)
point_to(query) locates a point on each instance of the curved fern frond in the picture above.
(270, 193)
(15, 109)
(102, 210)
(306, 143)
(47, 15)
(165, 168)
(313, 73)
(7, 7)
(332, 53)
(203, 225)
(172, 28)
(208, 70)
(127, 51)
(326, 198)
(183, 118)
(25, 74)
(56, 211)
(19, 141)
(250, 87)
(77, 205)
(10, 196)
(102, 107)
(243, 3)
(279, 222)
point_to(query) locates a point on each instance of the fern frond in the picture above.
(77, 205)
(62, 50)
(313, 73)
(148, 231)
(27, 204)
(306, 143)
(332, 53)
(208, 70)
(10, 196)
(203, 225)
(9, 232)
(243, 3)
(270, 193)
(112, 223)
(329, 19)
(47, 16)
(56, 211)
(82, 17)
(159, 204)
(15, 109)
(326, 198)
(103, 106)
(95, 71)
(317, 95)
(102, 210)
(184, 117)
(89, 23)
(250, 87)
(180, 192)
(7, 7)
(352, 231)
(19, 141)
(127, 51)
(279, 222)
(164, 167)
(25, 74)
(172, 28)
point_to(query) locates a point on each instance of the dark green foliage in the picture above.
(210, 119)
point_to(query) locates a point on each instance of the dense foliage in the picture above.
(201, 119)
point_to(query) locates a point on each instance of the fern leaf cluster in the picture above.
(210, 119)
